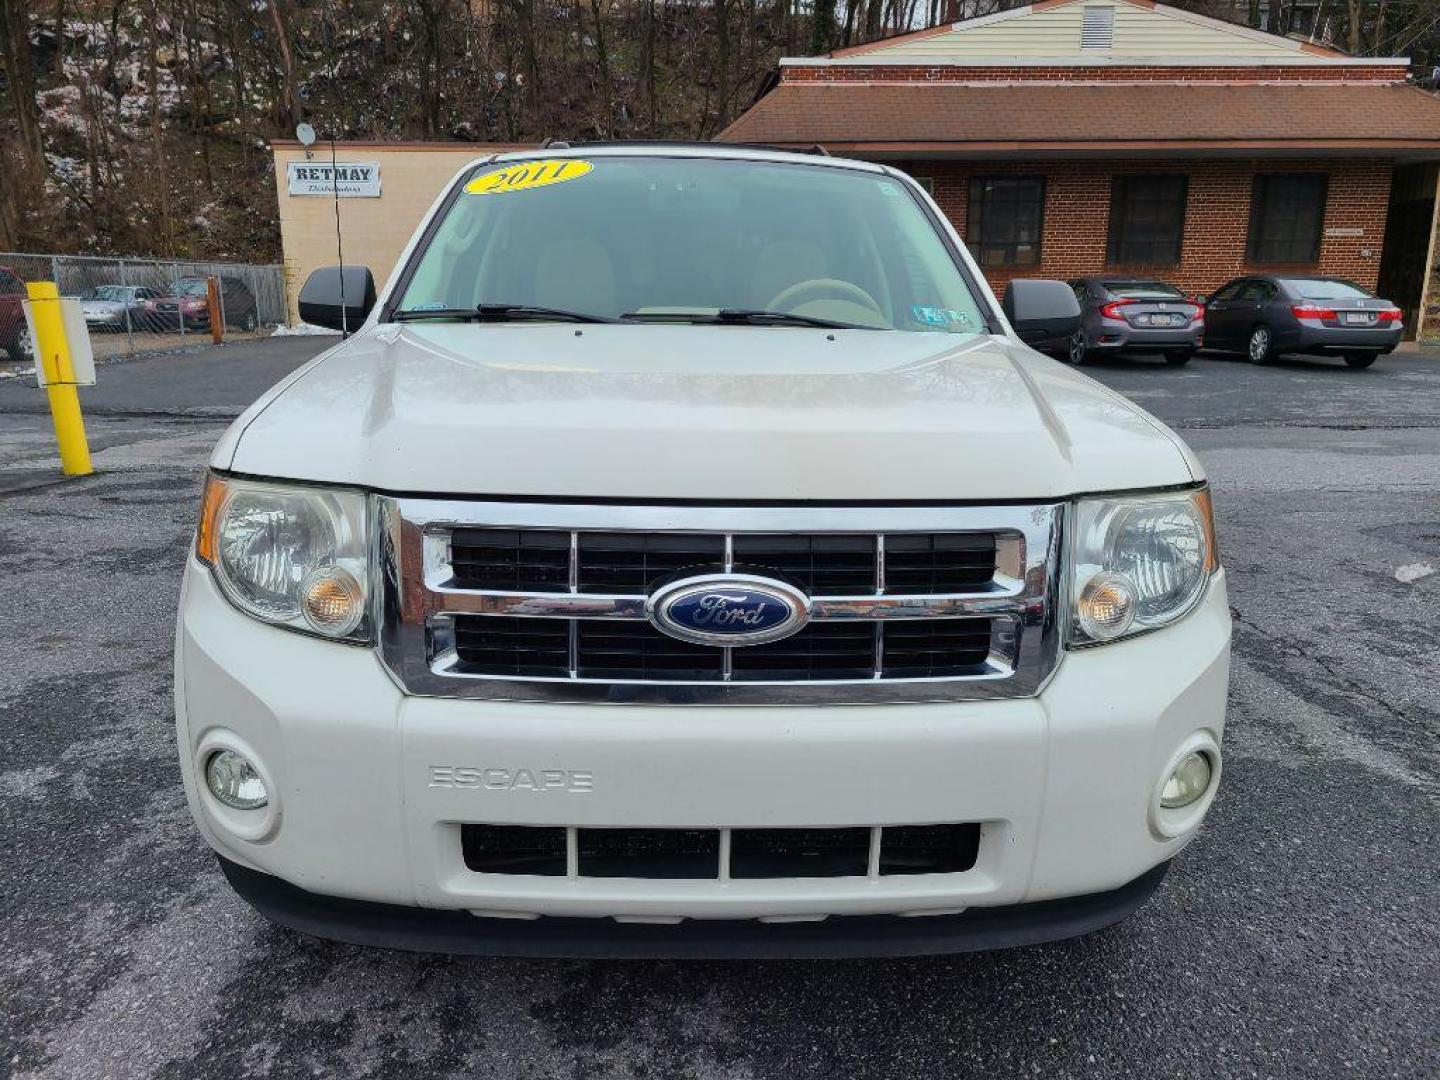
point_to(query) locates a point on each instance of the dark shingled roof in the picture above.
(1158, 115)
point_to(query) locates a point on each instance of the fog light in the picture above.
(1106, 607)
(1189, 781)
(332, 601)
(234, 781)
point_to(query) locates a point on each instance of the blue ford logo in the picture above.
(729, 610)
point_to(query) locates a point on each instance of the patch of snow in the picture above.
(304, 330)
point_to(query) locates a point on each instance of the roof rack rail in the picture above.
(698, 143)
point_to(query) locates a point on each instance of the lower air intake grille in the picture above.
(691, 854)
(780, 853)
(649, 853)
(623, 649)
(514, 849)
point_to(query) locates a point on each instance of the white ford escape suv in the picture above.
(685, 555)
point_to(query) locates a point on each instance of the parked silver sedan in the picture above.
(117, 307)
(1133, 315)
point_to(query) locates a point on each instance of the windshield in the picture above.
(666, 239)
(188, 287)
(1144, 290)
(119, 293)
(1327, 289)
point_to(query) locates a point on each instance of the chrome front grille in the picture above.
(548, 602)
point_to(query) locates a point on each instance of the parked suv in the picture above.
(1264, 316)
(188, 304)
(685, 555)
(14, 332)
(1132, 315)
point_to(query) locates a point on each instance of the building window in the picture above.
(1287, 217)
(1004, 219)
(1147, 219)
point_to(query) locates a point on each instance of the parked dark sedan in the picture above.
(1131, 315)
(1264, 316)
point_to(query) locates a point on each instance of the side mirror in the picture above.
(320, 299)
(1042, 312)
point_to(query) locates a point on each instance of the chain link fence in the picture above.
(144, 305)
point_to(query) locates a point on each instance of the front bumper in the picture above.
(392, 926)
(1064, 783)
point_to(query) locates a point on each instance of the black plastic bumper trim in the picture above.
(427, 930)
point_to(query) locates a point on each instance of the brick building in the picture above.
(1076, 137)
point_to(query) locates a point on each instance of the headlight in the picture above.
(1139, 562)
(292, 556)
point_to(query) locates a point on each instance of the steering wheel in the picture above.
(818, 288)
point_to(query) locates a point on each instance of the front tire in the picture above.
(1179, 357)
(1079, 350)
(1361, 360)
(1260, 346)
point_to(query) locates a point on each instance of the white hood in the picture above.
(699, 412)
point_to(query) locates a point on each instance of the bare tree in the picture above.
(288, 110)
(20, 77)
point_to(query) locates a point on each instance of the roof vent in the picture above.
(1097, 28)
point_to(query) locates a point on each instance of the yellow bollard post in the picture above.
(52, 352)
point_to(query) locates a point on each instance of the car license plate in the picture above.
(1357, 317)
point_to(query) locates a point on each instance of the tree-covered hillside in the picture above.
(140, 126)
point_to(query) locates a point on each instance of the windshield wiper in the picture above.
(743, 317)
(501, 313)
(514, 312)
(460, 314)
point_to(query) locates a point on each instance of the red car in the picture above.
(14, 334)
(188, 304)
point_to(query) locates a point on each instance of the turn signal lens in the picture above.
(1107, 606)
(1207, 523)
(211, 500)
(1189, 781)
(234, 782)
(332, 601)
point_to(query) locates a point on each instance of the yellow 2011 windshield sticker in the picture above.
(524, 175)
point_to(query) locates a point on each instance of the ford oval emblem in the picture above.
(729, 610)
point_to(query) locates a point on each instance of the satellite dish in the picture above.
(306, 134)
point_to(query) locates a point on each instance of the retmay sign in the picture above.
(350, 180)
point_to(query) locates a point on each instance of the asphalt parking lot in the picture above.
(1297, 937)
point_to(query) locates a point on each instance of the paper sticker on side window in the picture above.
(524, 175)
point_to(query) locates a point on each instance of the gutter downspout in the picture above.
(1425, 280)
